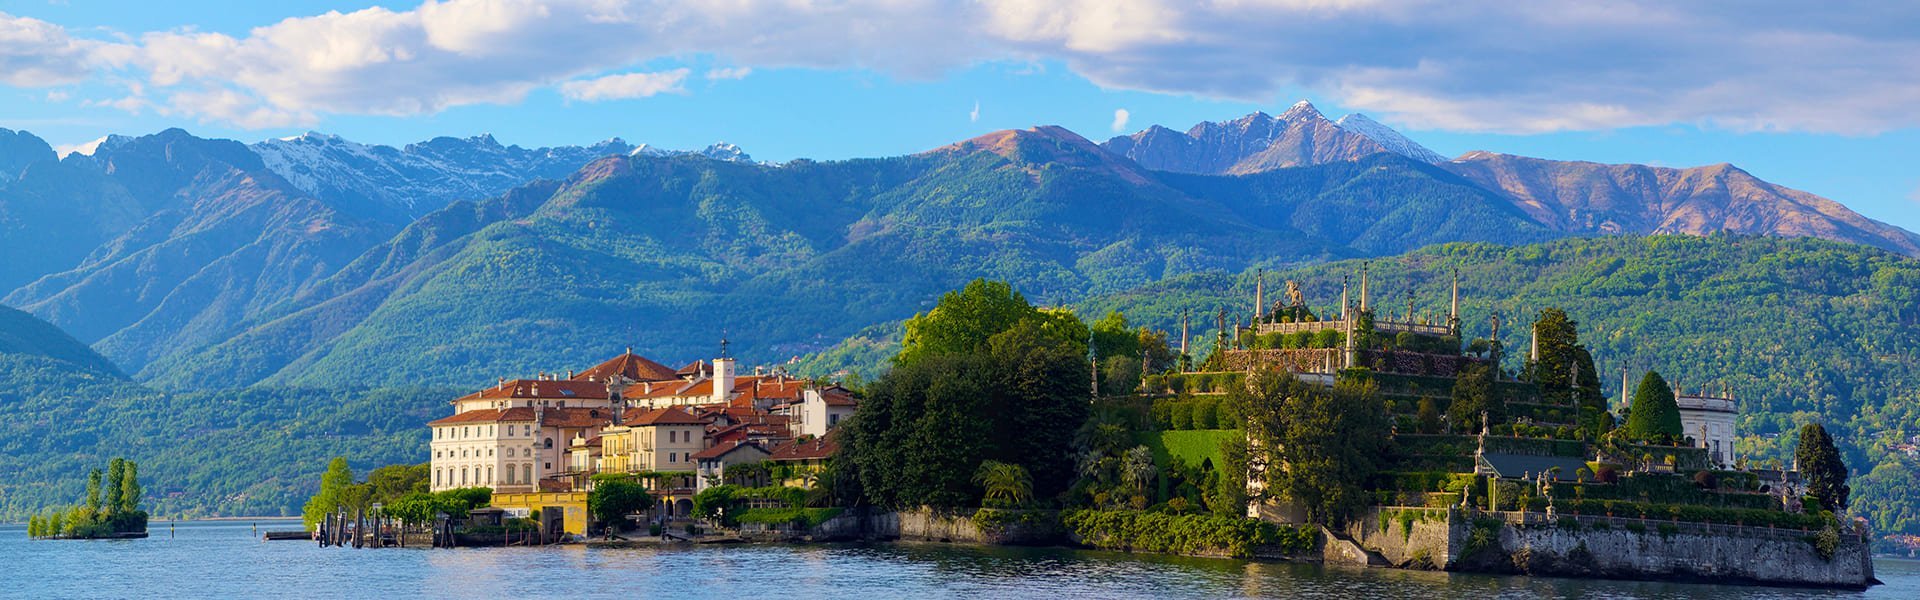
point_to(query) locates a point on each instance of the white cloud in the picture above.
(58, 96)
(1120, 117)
(1471, 65)
(729, 73)
(974, 115)
(624, 86)
(35, 53)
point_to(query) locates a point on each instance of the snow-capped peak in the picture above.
(93, 147)
(1301, 110)
(1388, 138)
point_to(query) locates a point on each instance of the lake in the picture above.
(226, 559)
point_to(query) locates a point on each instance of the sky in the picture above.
(1815, 96)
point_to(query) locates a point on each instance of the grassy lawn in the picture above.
(1191, 447)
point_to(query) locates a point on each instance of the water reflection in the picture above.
(228, 560)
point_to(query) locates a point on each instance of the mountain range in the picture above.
(317, 261)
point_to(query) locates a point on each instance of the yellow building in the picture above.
(568, 509)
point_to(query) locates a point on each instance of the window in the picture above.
(509, 474)
(546, 466)
(463, 475)
(673, 457)
(526, 473)
(489, 452)
(489, 475)
(833, 419)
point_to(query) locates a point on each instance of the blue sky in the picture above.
(1814, 100)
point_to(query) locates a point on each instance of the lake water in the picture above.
(227, 560)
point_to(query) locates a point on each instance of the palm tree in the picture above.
(1005, 484)
(1136, 468)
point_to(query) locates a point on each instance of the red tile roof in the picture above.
(838, 396)
(631, 366)
(719, 450)
(672, 415)
(571, 417)
(698, 367)
(811, 449)
(537, 388)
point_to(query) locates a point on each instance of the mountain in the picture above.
(19, 149)
(402, 184)
(1387, 138)
(673, 253)
(1584, 198)
(214, 236)
(23, 335)
(1301, 136)
(165, 242)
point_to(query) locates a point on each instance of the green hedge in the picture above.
(809, 517)
(1694, 513)
(1183, 534)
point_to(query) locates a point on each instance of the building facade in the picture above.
(1709, 421)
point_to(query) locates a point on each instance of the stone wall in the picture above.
(933, 526)
(1409, 538)
(1455, 540)
(1673, 551)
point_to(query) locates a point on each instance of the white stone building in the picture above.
(1709, 421)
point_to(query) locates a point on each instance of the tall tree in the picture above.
(1655, 416)
(1016, 397)
(1112, 336)
(130, 491)
(116, 471)
(1318, 445)
(93, 491)
(1475, 392)
(333, 485)
(1821, 467)
(612, 500)
(963, 320)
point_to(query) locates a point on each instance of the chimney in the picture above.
(723, 371)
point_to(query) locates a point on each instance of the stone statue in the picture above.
(1294, 298)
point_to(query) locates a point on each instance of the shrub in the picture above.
(1181, 415)
(1706, 480)
(1183, 534)
(1204, 413)
(1607, 474)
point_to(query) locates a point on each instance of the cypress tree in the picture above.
(1821, 467)
(130, 491)
(93, 491)
(1655, 414)
(116, 471)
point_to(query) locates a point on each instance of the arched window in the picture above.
(463, 475)
(489, 475)
(549, 443)
(526, 471)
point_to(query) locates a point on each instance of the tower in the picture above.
(1453, 315)
(1363, 284)
(1260, 297)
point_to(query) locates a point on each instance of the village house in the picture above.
(507, 449)
(713, 463)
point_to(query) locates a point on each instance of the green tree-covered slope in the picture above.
(670, 254)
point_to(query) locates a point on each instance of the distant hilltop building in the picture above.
(538, 442)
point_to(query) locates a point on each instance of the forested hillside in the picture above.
(64, 409)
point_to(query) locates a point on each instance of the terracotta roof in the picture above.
(672, 415)
(697, 367)
(631, 366)
(554, 485)
(664, 389)
(569, 417)
(838, 396)
(720, 450)
(813, 449)
(537, 388)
